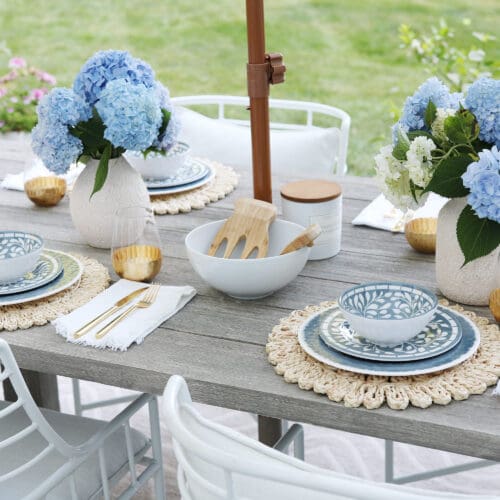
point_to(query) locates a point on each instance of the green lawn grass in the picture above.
(340, 52)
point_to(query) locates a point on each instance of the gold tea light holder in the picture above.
(46, 191)
(495, 304)
(137, 262)
(421, 234)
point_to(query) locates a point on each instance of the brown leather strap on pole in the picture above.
(262, 69)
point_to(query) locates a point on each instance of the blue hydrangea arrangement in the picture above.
(115, 105)
(448, 143)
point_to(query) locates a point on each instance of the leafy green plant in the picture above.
(440, 53)
(21, 88)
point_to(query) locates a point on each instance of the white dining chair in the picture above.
(49, 455)
(216, 463)
(307, 138)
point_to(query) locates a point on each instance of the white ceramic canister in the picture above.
(316, 201)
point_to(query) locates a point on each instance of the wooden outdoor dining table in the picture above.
(218, 343)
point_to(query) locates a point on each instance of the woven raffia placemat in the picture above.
(224, 182)
(95, 278)
(473, 376)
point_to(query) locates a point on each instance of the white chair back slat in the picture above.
(19, 435)
(27, 465)
(213, 459)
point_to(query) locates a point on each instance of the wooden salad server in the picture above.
(250, 221)
(304, 239)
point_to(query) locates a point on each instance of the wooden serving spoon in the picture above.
(305, 238)
(250, 221)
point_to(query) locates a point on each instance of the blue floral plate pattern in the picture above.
(72, 272)
(185, 187)
(191, 171)
(311, 342)
(441, 334)
(47, 269)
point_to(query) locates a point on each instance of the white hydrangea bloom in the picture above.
(437, 127)
(393, 178)
(419, 161)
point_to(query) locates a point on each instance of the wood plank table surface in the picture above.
(217, 343)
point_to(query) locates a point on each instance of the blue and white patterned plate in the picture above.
(47, 269)
(185, 187)
(72, 272)
(191, 171)
(311, 342)
(439, 336)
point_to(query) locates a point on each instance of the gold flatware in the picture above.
(106, 314)
(147, 300)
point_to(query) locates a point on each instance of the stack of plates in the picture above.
(449, 339)
(192, 174)
(54, 272)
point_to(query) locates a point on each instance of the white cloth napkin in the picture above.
(133, 328)
(382, 214)
(38, 169)
(496, 390)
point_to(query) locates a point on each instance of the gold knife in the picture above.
(106, 314)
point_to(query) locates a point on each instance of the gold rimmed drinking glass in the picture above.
(136, 251)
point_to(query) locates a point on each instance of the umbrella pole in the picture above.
(260, 69)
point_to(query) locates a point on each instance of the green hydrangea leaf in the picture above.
(102, 169)
(402, 146)
(91, 133)
(476, 237)
(462, 127)
(447, 179)
(430, 114)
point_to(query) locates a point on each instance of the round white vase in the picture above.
(93, 217)
(472, 283)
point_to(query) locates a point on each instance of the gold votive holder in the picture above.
(495, 304)
(45, 191)
(421, 234)
(137, 262)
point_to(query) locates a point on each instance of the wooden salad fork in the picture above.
(147, 300)
(250, 221)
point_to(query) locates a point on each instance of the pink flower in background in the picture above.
(3, 91)
(17, 62)
(9, 76)
(37, 94)
(14, 99)
(47, 77)
(10, 110)
(2, 124)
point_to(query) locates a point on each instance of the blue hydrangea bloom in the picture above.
(483, 99)
(169, 137)
(483, 179)
(109, 65)
(62, 105)
(414, 108)
(57, 148)
(131, 114)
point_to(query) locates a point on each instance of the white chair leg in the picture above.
(77, 396)
(159, 478)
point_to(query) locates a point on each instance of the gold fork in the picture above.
(147, 300)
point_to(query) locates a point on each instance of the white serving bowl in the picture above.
(388, 313)
(156, 165)
(19, 254)
(247, 278)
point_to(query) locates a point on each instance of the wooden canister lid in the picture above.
(311, 191)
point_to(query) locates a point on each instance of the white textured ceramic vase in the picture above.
(472, 283)
(93, 217)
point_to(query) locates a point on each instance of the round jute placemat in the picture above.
(354, 390)
(224, 182)
(95, 278)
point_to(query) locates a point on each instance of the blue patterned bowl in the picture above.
(19, 254)
(386, 313)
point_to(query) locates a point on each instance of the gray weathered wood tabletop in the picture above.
(217, 343)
